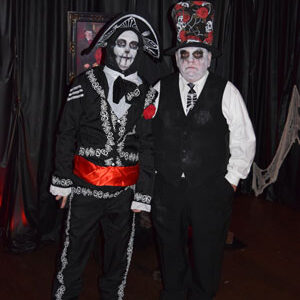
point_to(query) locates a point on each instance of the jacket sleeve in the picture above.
(144, 186)
(66, 141)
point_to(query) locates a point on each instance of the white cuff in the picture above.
(232, 179)
(141, 206)
(59, 191)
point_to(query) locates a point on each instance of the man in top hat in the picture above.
(204, 144)
(86, 61)
(104, 161)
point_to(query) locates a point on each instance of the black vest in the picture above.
(196, 144)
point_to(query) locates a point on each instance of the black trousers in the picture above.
(207, 209)
(85, 212)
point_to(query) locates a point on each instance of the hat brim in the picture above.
(129, 21)
(214, 51)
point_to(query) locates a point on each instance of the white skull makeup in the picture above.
(126, 49)
(193, 62)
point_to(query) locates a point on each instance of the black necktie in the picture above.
(191, 98)
(122, 88)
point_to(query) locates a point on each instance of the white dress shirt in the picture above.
(241, 134)
(111, 75)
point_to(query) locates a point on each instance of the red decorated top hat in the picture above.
(194, 22)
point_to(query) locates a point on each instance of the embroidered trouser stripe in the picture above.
(89, 207)
(129, 256)
(64, 261)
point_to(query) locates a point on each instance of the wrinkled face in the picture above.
(193, 62)
(125, 49)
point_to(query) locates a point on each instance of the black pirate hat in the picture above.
(129, 21)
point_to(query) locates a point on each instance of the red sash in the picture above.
(98, 175)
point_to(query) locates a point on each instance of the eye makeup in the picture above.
(197, 54)
(122, 44)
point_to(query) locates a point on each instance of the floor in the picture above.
(268, 268)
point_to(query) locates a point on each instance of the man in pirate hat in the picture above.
(104, 161)
(203, 143)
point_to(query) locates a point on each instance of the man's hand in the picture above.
(63, 202)
(136, 210)
(234, 187)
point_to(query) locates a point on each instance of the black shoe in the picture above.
(235, 245)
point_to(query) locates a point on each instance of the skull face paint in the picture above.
(193, 62)
(125, 49)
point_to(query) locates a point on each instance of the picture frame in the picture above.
(82, 28)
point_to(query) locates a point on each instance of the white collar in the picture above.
(112, 75)
(197, 83)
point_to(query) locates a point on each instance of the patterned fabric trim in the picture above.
(98, 194)
(75, 93)
(150, 97)
(64, 261)
(61, 182)
(150, 40)
(90, 152)
(104, 116)
(122, 122)
(142, 198)
(55, 190)
(114, 120)
(133, 157)
(129, 256)
(133, 94)
(75, 88)
(140, 206)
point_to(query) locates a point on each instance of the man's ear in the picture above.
(209, 56)
(177, 58)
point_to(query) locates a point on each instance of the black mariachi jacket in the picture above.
(90, 129)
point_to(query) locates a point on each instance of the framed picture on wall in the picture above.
(82, 28)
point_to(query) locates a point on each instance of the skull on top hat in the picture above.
(194, 21)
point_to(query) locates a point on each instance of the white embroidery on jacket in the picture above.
(75, 93)
(109, 162)
(90, 152)
(133, 157)
(133, 94)
(61, 181)
(142, 198)
(114, 120)
(150, 96)
(75, 88)
(104, 116)
(86, 192)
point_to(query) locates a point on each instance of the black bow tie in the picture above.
(123, 88)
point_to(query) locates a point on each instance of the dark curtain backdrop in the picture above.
(275, 70)
(260, 56)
